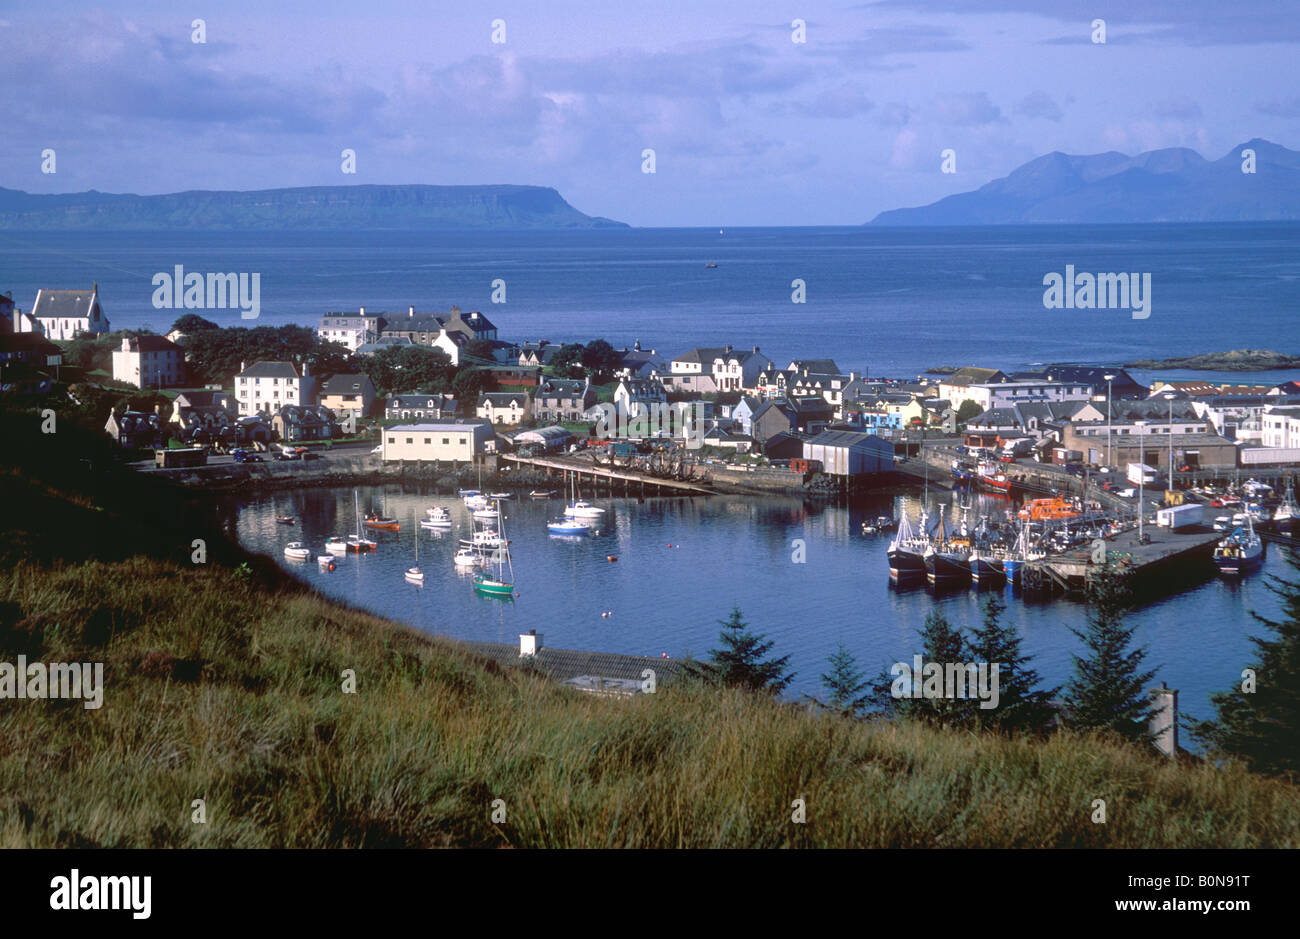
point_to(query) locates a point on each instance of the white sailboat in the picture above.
(579, 509)
(413, 574)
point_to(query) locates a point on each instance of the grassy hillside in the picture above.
(224, 683)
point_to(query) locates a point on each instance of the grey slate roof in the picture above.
(62, 303)
(270, 370)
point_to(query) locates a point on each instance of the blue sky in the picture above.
(748, 127)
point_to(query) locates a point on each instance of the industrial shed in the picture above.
(544, 438)
(849, 453)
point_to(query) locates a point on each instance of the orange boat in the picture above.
(374, 520)
(1039, 510)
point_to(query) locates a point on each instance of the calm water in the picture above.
(683, 563)
(884, 301)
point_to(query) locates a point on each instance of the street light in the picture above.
(1170, 398)
(1142, 475)
(1108, 380)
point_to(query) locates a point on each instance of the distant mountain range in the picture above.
(322, 208)
(1173, 185)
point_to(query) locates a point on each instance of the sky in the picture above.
(748, 127)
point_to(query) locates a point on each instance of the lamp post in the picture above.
(1108, 381)
(1170, 399)
(1142, 475)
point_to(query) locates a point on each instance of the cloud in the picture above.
(843, 101)
(1039, 104)
(967, 108)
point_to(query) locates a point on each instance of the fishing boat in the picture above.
(986, 566)
(285, 520)
(907, 550)
(487, 513)
(947, 559)
(414, 575)
(466, 557)
(1286, 513)
(436, 517)
(498, 583)
(1240, 552)
(567, 526)
(386, 522)
(297, 551)
(992, 477)
(1014, 561)
(336, 545)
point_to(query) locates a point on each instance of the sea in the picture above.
(883, 302)
(886, 302)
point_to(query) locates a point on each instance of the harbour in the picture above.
(682, 562)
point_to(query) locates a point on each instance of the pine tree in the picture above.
(1262, 726)
(1021, 708)
(845, 684)
(941, 643)
(1109, 687)
(740, 663)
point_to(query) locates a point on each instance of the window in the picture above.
(428, 440)
(445, 441)
(392, 439)
(409, 439)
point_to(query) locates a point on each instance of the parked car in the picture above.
(378, 449)
(1006, 458)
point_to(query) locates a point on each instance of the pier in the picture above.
(632, 482)
(1124, 555)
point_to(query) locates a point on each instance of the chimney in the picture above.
(363, 311)
(728, 349)
(411, 311)
(1163, 725)
(126, 344)
(530, 643)
(755, 350)
(243, 366)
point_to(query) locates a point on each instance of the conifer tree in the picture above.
(1261, 726)
(941, 643)
(847, 688)
(1021, 708)
(740, 662)
(1109, 687)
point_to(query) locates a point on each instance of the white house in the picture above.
(65, 314)
(350, 329)
(265, 387)
(1281, 427)
(435, 441)
(502, 407)
(149, 362)
(720, 369)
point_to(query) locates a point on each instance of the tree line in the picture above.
(1257, 723)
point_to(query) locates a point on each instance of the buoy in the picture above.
(331, 565)
(612, 558)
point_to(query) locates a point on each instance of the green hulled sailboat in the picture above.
(498, 583)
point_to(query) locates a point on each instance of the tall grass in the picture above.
(234, 696)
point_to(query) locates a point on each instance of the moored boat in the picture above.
(1241, 552)
(567, 526)
(375, 520)
(297, 551)
(336, 545)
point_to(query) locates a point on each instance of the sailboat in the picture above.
(358, 543)
(413, 574)
(498, 583)
(579, 509)
(1240, 552)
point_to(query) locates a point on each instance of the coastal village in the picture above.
(1093, 455)
(746, 407)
